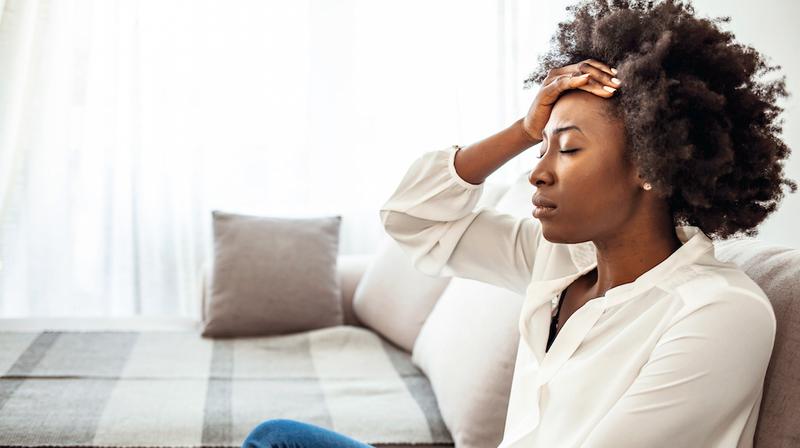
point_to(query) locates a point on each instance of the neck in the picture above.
(626, 255)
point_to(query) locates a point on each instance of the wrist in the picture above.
(531, 140)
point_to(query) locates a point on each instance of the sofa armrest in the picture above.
(351, 269)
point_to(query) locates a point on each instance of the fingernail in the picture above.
(614, 71)
(610, 89)
(616, 81)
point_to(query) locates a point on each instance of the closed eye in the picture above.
(563, 150)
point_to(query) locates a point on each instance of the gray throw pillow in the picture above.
(273, 275)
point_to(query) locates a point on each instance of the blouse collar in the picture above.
(694, 244)
(534, 314)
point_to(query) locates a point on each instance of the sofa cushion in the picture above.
(467, 349)
(394, 298)
(173, 388)
(273, 275)
(351, 269)
(776, 269)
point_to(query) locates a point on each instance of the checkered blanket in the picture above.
(176, 389)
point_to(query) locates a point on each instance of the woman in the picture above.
(655, 138)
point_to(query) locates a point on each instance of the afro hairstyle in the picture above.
(700, 125)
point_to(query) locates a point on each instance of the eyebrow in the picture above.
(564, 129)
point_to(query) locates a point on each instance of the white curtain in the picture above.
(124, 123)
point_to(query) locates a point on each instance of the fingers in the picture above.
(550, 92)
(579, 67)
(600, 78)
(598, 88)
(601, 66)
(601, 75)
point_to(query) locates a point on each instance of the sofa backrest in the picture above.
(776, 269)
(390, 259)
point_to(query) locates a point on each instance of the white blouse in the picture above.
(676, 358)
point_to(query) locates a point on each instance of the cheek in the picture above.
(594, 198)
(595, 193)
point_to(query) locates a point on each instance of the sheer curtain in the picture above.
(124, 123)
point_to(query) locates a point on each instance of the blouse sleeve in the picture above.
(433, 218)
(704, 372)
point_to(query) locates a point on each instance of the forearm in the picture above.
(474, 163)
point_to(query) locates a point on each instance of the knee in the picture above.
(269, 433)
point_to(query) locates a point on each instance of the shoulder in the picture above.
(723, 294)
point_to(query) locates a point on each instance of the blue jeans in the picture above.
(285, 433)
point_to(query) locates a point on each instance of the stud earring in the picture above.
(647, 186)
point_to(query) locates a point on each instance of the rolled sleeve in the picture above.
(432, 216)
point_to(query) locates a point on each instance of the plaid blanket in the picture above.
(177, 389)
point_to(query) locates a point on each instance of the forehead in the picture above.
(581, 108)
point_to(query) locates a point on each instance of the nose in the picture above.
(540, 175)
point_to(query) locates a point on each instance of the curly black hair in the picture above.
(700, 126)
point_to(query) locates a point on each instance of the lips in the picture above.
(541, 201)
(544, 208)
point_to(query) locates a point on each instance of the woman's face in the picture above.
(594, 189)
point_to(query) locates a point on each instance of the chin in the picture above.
(554, 234)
